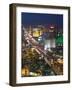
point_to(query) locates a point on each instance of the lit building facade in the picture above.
(44, 35)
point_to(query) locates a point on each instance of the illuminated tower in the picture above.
(50, 42)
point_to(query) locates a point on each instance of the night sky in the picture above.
(41, 19)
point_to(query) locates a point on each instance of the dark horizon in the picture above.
(42, 19)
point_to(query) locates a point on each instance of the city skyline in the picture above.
(42, 44)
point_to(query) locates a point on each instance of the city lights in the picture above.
(42, 46)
